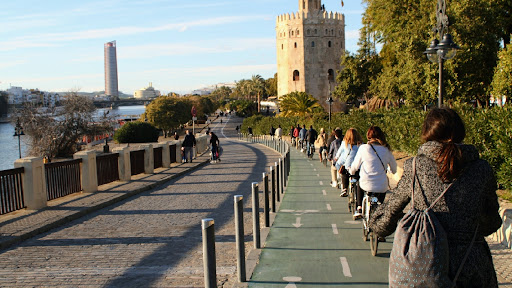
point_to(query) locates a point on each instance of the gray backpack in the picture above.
(420, 257)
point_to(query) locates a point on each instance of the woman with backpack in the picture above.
(372, 160)
(449, 180)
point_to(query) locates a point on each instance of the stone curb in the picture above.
(47, 227)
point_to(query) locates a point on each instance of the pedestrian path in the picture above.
(314, 242)
(152, 239)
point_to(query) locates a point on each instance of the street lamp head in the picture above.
(447, 48)
(431, 52)
(329, 100)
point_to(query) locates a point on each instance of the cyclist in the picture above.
(346, 154)
(311, 136)
(373, 160)
(321, 143)
(469, 204)
(335, 145)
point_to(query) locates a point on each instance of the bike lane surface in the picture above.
(313, 241)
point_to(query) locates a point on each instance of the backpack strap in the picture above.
(465, 257)
(414, 180)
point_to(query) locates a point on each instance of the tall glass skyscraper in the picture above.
(111, 88)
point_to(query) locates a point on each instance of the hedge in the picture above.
(136, 132)
(490, 130)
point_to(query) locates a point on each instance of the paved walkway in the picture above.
(144, 233)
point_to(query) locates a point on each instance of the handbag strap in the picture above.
(383, 166)
(459, 270)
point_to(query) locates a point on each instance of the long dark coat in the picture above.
(470, 201)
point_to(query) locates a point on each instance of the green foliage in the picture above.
(502, 81)
(299, 104)
(490, 130)
(243, 108)
(167, 113)
(403, 29)
(136, 132)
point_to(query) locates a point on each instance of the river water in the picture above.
(9, 151)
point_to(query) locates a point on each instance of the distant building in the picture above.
(18, 95)
(15, 95)
(208, 90)
(310, 44)
(111, 80)
(147, 93)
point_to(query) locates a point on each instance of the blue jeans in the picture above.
(189, 153)
(214, 152)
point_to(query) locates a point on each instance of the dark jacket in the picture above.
(189, 141)
(470, 201)
(311, 135)
(333, 148)
(329, 140)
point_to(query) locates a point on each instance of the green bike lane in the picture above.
(313, 241)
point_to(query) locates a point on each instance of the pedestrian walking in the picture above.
(467, 210)
(189, 143)
(176, 136)
(279, 133)
(215, 144)
(321, 142)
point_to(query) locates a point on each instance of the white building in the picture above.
(15, 95)
(147, 93)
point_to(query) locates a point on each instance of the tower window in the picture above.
(313, 44)
(298, 33)
(292, 33)
(316, 31)
(309, 32)
(282, 46)
(330, 76)
(329, 44)
(295, 44)
(296, 75)
(326, 32)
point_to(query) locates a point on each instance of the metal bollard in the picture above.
(210, 270)
(278, 186)
(273, 189)
(256, 215)
(281, 175)
(266, 200)
(239, 232)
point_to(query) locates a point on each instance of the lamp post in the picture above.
(18, 131)
(330, 100)
(438, 52)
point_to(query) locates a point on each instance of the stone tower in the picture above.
(310, 44)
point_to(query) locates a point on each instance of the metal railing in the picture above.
(62, 178)
(11, 190)
(107, 168)
(137, 162)
(157, 156)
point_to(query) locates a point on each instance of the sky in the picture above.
(179, 46)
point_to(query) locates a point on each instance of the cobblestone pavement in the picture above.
(150, 240)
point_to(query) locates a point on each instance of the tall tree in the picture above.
(402, 28)
(257, 86)
(502, 81)
(167, 113)
(3, 103)
(271, 86)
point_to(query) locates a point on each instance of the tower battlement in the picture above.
(296, 18)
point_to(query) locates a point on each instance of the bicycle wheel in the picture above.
(374, 243)
(365, 219)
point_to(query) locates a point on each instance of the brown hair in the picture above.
(352, 137)
(375, 134)
(445, 126)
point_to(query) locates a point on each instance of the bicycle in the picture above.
(370, 203)
(352, 191)
(324, 156)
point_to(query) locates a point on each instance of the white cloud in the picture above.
(49, 39)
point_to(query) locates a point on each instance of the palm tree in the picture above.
(299, 104)
(258, 87)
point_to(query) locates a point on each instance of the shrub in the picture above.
(136, 132)
(490, 130)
